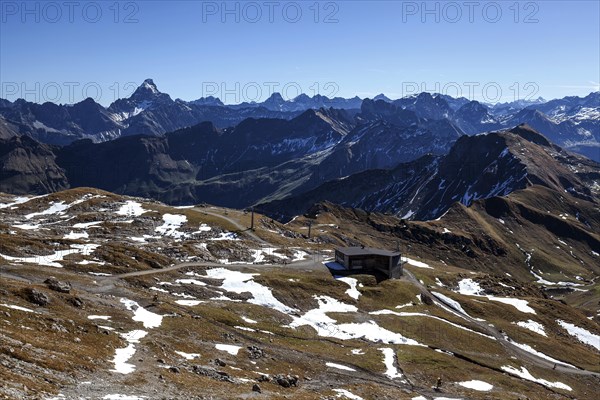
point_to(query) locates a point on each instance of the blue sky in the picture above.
(193, 49)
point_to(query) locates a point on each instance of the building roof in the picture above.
(360, 251)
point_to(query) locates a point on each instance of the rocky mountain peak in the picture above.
(275, 98)
(383, 97)
(146, 90)
(528, 133)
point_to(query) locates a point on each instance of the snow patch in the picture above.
(103, 317)
(188, 356)
(75, 236)
(328, 327)
(521, 305)
(189, 303)
(450, 302)
(123, 355)
(416, 263)
(14, 307)
(27, 227)
(229, 348)
(239, 282)
(480, 386)
(55, 208)
(85, 225)
(533, 326)
(172, 222)
(524, 373)
(147, 318)
(51, 260)
(583, 335)
(347, 394)
(353, 291)
(131, 209)
(339, 366)
(471, 288)
(389, 359)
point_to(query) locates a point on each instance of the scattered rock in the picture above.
(174, 369)
(75, 302)
(256, 388)
(264, 378)
(212, 373)
(255, 352)
(426, 299)
(228, 336)
(36, 297)
(220, 362)
(286, 381)
(57, 286)
(58, 328)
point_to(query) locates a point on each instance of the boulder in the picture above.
(426, 299)
(286, 381)
(36, 297)
(75, 302)
(255, 352)
(57, 286)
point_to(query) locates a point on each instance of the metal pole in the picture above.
(252, 220)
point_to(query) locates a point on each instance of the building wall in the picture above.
(386, 264)
(369, 262)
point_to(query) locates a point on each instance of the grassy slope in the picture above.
(61, 358)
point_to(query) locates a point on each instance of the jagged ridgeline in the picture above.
(279, 150)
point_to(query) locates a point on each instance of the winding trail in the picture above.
(311, 264)
(107, 284)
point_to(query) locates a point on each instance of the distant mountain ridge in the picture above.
(477, 167)
(265, 159)
(572, 122)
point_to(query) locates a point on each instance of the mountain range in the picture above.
(497, 227)
(413, 157)
(571, 122)
(477, 167)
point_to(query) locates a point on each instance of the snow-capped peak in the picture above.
(149, 85)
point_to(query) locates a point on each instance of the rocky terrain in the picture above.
(571, 122)
(265, 159)
(147, 111)
(476, 167)
(110, 297)
(162, 296)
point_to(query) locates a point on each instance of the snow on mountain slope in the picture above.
(477, 167)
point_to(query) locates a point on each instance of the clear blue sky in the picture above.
(373, 47)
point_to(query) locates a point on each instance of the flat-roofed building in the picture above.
(368, 259)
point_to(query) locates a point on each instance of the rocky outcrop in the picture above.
(29, 167)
